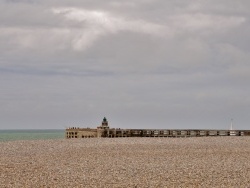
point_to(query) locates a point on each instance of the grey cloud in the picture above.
(152, 64)
(52, 71)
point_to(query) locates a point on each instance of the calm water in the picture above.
(9, 135)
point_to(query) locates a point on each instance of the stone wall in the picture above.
(81, 133)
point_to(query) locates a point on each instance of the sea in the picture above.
(31, 134)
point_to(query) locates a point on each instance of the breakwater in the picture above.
(112, 133)
(105, 131)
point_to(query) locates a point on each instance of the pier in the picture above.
(104, 131)
(114, 133)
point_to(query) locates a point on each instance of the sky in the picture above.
(141, 63)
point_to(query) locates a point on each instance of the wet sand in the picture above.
(126, 162)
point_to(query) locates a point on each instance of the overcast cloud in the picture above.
(140, 63)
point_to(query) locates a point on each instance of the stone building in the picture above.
(76, 132)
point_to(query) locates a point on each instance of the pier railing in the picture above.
(172, 133)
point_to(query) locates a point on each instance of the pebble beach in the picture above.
(126, 162)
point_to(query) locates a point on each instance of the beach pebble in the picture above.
(126, 162)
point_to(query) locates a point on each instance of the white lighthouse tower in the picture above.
(231, 126)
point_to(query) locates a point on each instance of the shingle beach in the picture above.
(126, 162)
